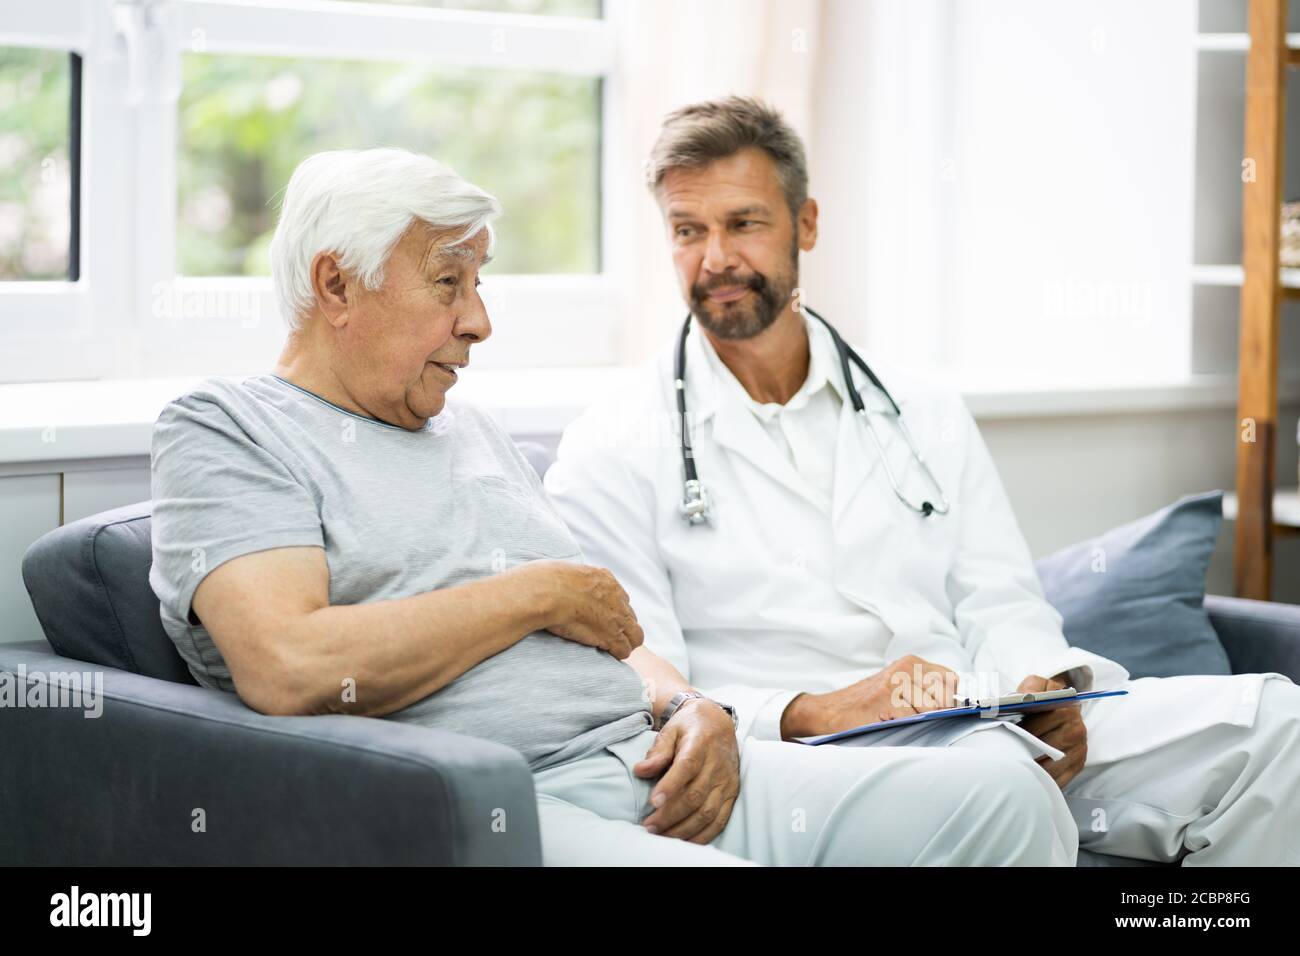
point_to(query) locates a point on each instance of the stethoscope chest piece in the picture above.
(695, 507)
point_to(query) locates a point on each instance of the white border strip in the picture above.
(451, 38)
(48, 25)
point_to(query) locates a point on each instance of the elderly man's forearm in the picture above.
(661, 679)
(375, 658)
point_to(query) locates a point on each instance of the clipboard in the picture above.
(993, 709)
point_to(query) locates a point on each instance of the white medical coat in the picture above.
(742, 605)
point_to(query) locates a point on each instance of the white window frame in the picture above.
(47, 328)
(129, 314)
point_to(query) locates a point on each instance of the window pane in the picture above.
(531, 139)
(35, 177)
(561, 8)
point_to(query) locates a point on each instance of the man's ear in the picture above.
(807, 224)
(331, 287)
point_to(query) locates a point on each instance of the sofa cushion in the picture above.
(1136, 594)
(89, 585)
(540, 456)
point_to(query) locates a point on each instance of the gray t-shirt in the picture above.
(245, 466)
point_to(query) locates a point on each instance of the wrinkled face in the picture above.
(399, 350)
(735, 244)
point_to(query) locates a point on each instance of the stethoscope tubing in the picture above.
(695, 505)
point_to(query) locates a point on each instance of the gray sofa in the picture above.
(172, 773)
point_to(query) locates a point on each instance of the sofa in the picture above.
(172, 773)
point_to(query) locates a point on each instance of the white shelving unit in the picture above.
(1235, 42)
(1231, 275)
(1286, 509)
(1222, 45)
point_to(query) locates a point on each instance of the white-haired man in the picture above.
(336, 523)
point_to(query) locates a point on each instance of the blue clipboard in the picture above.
(1037, 705)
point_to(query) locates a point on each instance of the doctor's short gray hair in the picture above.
(357, 204)
(694, 136)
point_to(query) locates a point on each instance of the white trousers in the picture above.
(981, 802)
(1221, 795)
(1225, 794)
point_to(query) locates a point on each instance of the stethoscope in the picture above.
(695, 506)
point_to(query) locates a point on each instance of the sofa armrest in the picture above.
(1259, 636)
(124, 788)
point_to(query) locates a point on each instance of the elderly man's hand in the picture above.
(698, 748)
(583, 604)
(1062, 727)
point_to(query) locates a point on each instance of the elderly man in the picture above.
(824, 572)
(334, 536)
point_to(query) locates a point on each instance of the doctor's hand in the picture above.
(1063, 728)
(583, 604)
(699, 750)
(909, 685)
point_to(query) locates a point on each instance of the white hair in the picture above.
(357, 204)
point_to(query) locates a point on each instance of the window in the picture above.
(37, 164)
(196, 112)
(566, 8)
(529, 138)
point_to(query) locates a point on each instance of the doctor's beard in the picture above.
(745, 321)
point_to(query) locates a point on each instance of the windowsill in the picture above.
(61, 421)
(1041, 399)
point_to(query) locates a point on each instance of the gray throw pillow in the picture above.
(1145, 610)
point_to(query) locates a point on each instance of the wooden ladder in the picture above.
(1261, 293)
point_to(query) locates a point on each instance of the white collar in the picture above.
(823, 359)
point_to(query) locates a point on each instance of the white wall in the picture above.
(1074, 477)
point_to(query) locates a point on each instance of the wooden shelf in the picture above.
(1234, 42)
(1230, 275)
(1286, 510)
(1286, 507)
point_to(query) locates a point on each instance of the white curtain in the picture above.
(1005, 186)
(674, 52)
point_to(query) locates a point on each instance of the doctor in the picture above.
(828, 559)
